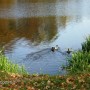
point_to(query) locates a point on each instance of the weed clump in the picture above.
(8, 66)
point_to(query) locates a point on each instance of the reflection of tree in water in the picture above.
(7, 30)
(37, 29)
(34, 29)
(41, 1)
(7, 3)
(36, 1)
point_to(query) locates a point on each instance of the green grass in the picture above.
(80, 60)
(8, 66)
(86, 45)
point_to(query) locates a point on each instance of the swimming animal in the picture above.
(55, 48)
(69, 51)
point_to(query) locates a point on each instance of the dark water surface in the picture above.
(29, 28)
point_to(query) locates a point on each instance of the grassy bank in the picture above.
(86, 45)
(77, 79)
(8, 66)
(80, 61)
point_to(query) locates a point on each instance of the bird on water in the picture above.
(54, 48)
(69, 51)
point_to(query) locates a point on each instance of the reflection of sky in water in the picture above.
(74, 34)
(86, 8)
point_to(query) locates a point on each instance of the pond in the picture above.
(28, 30)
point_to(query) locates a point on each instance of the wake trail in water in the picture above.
(37, 55)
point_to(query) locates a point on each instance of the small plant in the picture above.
(86, 45)
(80, 62)
(8, 66)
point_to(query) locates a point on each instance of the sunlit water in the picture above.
(28, 30)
